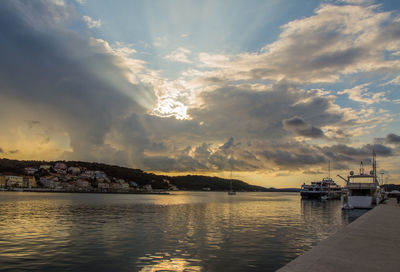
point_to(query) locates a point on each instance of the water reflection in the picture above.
(186, 231)
(351, 215)
(164, 262)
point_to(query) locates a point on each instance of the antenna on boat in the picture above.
(329, 169)
(374, 166)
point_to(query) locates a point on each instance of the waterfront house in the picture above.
(88, 174)
(69, 186)
(125, 186)
(45, 167)
(47, 182)
(58, 185)
(103, 186)
(2, 181)
(60, 166)
(115, 186)
(82, 183)
(15, 181)
(29, 181)
(30, 170)
(100, 175)
(147, 188)
(74, 170)
(120, 181)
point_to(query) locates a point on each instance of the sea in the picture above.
(182, 231)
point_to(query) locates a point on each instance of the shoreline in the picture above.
(22, 190)
(83, 192)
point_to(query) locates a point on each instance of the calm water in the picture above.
(185, 231)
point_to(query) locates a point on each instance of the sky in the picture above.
(272, 90)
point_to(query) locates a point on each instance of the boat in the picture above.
(363, 191)
(323, 189)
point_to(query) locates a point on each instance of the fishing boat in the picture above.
(363, 191)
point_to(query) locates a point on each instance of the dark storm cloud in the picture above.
(294, 122)
(62, 77)
(346, 153)
(289, 158)
(243, 113)
(300, 127)
(393, 138)
(228, 144)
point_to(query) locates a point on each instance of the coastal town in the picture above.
(60, 177)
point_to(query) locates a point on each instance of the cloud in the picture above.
(360, 94)
(393, 138)
(123, 53)
(338, 40)
(228, 144)
(91, 23)
(207, 142)
(347, 153)
(83, 94)
(357, 2)
(213, 61)
(297, 125)
(236, 112)
(1, 150)
(161, 41)
(99, 103)
(394, 81)
(179, 55)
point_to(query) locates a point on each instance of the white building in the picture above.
(30, 170)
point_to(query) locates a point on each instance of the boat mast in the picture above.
(329, 169)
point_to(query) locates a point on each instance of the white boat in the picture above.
(363, 191)
(323, 189)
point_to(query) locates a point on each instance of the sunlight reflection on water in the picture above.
(186, 231)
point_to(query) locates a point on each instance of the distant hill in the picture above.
(189, 182)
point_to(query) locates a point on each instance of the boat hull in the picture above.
(312, 194)
(360, 202)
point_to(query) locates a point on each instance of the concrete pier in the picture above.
(370, 243)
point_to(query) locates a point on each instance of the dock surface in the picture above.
(370, 243)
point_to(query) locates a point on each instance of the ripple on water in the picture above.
(186, 231)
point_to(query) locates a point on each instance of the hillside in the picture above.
(189, 182)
